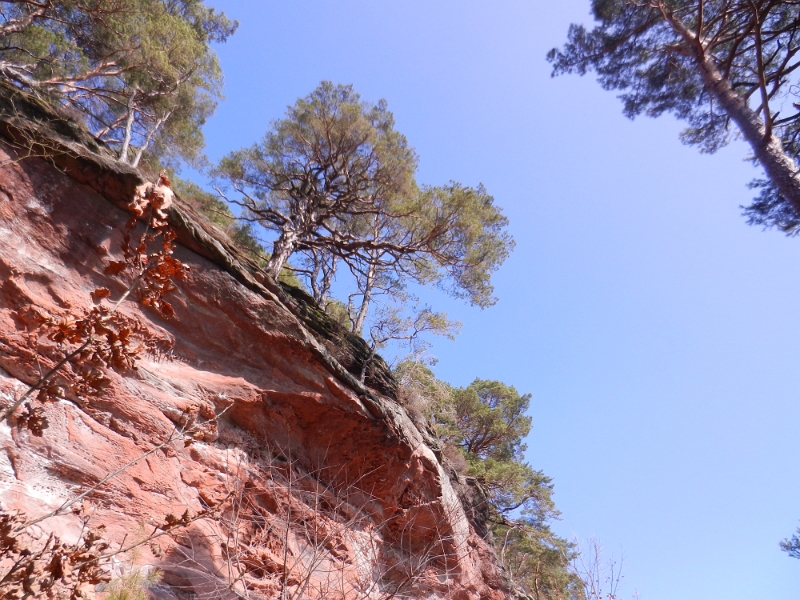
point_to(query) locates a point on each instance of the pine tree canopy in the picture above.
(335, 180)
(723, 66)
(140, 73)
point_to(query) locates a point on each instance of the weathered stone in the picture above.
(299, 438)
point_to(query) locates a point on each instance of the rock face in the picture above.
(294, 475)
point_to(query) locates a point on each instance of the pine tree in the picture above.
(714, 64)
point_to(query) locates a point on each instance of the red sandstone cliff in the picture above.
(305, 467)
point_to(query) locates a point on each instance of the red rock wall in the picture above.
(370, 510)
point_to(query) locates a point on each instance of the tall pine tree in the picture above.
(716, 64)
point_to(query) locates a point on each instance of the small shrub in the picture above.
(132, 586)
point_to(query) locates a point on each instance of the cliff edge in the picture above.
(296, 481)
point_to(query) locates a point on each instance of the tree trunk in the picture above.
(149, 138)
(315, 291)
(327, 280)
(321, 287)
(15, 26)
(358, 324)
(767, 148)
(126, 142)
(281, 251)
(373, 351)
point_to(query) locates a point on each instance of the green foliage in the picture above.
(288, 276)
(539, 561)
(240, 232)
(335, 182)
(629, 49)
(426, 396)
(332, 161)
(485, 423)
(473, 242)
(335, 310)
(133, 586)
(489, 426)
(218, 212)
(771, 210)
(140, 71)
(714, 64)
(490, 419)
(792, 545)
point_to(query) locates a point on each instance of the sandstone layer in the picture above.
(311, 482)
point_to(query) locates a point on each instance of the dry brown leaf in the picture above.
(99, 294)
(115, 267)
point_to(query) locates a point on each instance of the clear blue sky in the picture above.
(657, 332)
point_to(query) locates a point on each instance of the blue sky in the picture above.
(657, 332)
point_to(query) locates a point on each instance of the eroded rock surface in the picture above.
(293, 460)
